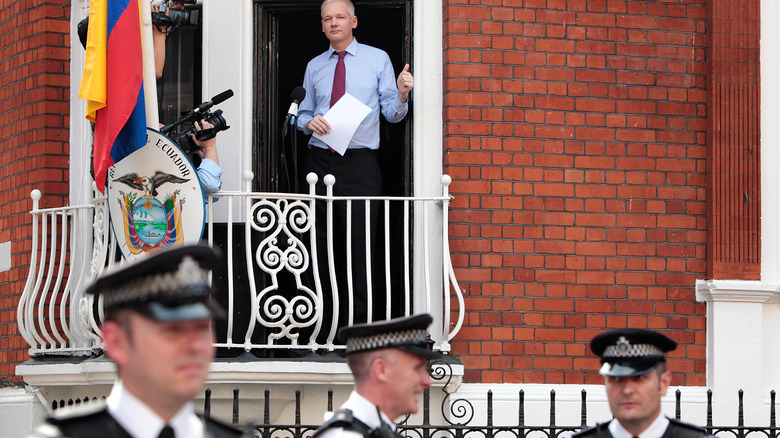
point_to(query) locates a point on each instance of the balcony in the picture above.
(266, 246)
(282, 305)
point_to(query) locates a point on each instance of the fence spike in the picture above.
(677, 398)
(552, 412)
(207, 403)
(741, 419)
(298, 430)
(521, 409)
(426, 411)
(267, 413)
(235, 405)
(427, 406)
(297, 406)
(490, 407)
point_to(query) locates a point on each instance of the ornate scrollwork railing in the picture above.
(276, 294)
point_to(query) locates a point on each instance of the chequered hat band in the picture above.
(385, 340)
(188, 283)
(623, 349)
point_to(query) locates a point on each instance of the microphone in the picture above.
(219, 98)
(297, 95)
(198, 113)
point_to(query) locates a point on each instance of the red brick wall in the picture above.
(34, 106)
(575, 135)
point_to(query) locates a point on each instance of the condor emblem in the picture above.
(155, 198)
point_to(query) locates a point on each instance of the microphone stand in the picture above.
(294, 141)
(290, 119)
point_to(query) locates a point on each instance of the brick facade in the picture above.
(575, 133)
(35, 85)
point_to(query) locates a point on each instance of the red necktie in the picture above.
(339, 82)
(339, 79)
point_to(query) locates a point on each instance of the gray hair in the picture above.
(349, 3)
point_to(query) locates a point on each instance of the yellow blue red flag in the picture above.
(112, 83)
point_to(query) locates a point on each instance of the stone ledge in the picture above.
(305, 380)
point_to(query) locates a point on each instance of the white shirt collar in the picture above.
(655, 430)
(365, 411)
(351, 48)
(142, 422)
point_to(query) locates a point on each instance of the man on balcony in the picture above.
(158, 331)
(388, 362)
(365, 73)
(635, 376)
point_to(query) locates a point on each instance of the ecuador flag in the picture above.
(112, 82)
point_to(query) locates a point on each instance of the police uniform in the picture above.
(98, 419)
(170, 286)
(358, 417)
(633, 352)
(674, 429)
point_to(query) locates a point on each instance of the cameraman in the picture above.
(209, 171)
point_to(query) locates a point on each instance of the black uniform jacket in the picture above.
(676, 429)
(93, 420)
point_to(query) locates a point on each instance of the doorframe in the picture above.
(269, 104)
(427, 145)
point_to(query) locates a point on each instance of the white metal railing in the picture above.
(275, 297)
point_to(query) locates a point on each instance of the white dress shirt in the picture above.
(364, 411)
(370, 78)
(141, 422)
(655, 430)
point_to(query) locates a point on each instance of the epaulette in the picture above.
(687, 425)
(218, 428)
(64, 417)
(343, 418)
(80, 411)
(679, 429)
(599, 430)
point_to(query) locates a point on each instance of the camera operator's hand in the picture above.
(208, 147)
(160, 29)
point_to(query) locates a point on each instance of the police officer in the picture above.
(635, 376)
(388, 361)
(158, 331)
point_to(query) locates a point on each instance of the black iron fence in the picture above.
(458, 415)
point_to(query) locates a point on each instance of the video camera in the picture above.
(175, 17)
(184, 139)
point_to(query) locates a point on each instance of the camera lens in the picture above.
(184, 17)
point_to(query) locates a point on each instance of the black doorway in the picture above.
(288, 34)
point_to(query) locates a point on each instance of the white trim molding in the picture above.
(743, 319)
